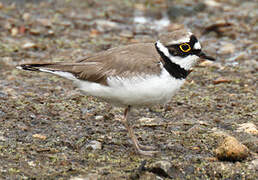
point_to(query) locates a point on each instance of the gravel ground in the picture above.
(50, 130)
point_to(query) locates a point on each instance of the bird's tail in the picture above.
(34, 67)
(60, 69)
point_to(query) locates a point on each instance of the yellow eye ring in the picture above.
(185, 47)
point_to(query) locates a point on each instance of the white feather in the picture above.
(19, 67)
(136, 91)
(197, 45)
(66, 75)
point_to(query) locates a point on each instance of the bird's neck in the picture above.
(173, 68)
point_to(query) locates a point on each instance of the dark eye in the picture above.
(185, 47)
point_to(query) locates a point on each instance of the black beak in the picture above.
(204, 56)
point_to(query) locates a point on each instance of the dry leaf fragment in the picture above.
(221, 80)
(39, 136)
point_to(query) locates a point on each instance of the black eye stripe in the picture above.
(192, 42)
(181, 49)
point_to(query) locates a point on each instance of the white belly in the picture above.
(137, 91)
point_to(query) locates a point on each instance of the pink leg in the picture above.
(134, 139)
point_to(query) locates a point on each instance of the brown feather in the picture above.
(126, 61)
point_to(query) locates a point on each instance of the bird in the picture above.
(134, 75)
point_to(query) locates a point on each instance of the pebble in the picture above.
(2, 138)
(94, 145)
(254, 164)
(212, 3)
(99, 117)
(231, 150)
(249, 128)
(29, 45)
(26, 16)
(90, 176)
(150, 121)
(14, 31)
(164, 166)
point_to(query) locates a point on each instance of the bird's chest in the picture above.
(144, 90)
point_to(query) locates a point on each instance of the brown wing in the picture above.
(124, 61)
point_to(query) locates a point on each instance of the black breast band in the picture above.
(173, 69)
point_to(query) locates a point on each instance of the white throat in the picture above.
(184, 62)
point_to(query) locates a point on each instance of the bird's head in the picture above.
(182, 48)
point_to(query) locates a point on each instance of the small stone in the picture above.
(231, 150)
(99, 117)
(150, 121)
(26, 16)
(2, 138)
(254, 165)
(221, 80)
(249, 128)
(31, 163)
(90, 176)
(205, 63)
(227, 48)
(35, 31)
(14, 31)
(29, 45)
(39, 136)
(50, 32)
(94, 145)
(212, 3)
(164, 166)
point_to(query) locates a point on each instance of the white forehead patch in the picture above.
(163, 49)
(197, 45)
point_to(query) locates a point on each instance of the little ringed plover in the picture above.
(142, 74)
